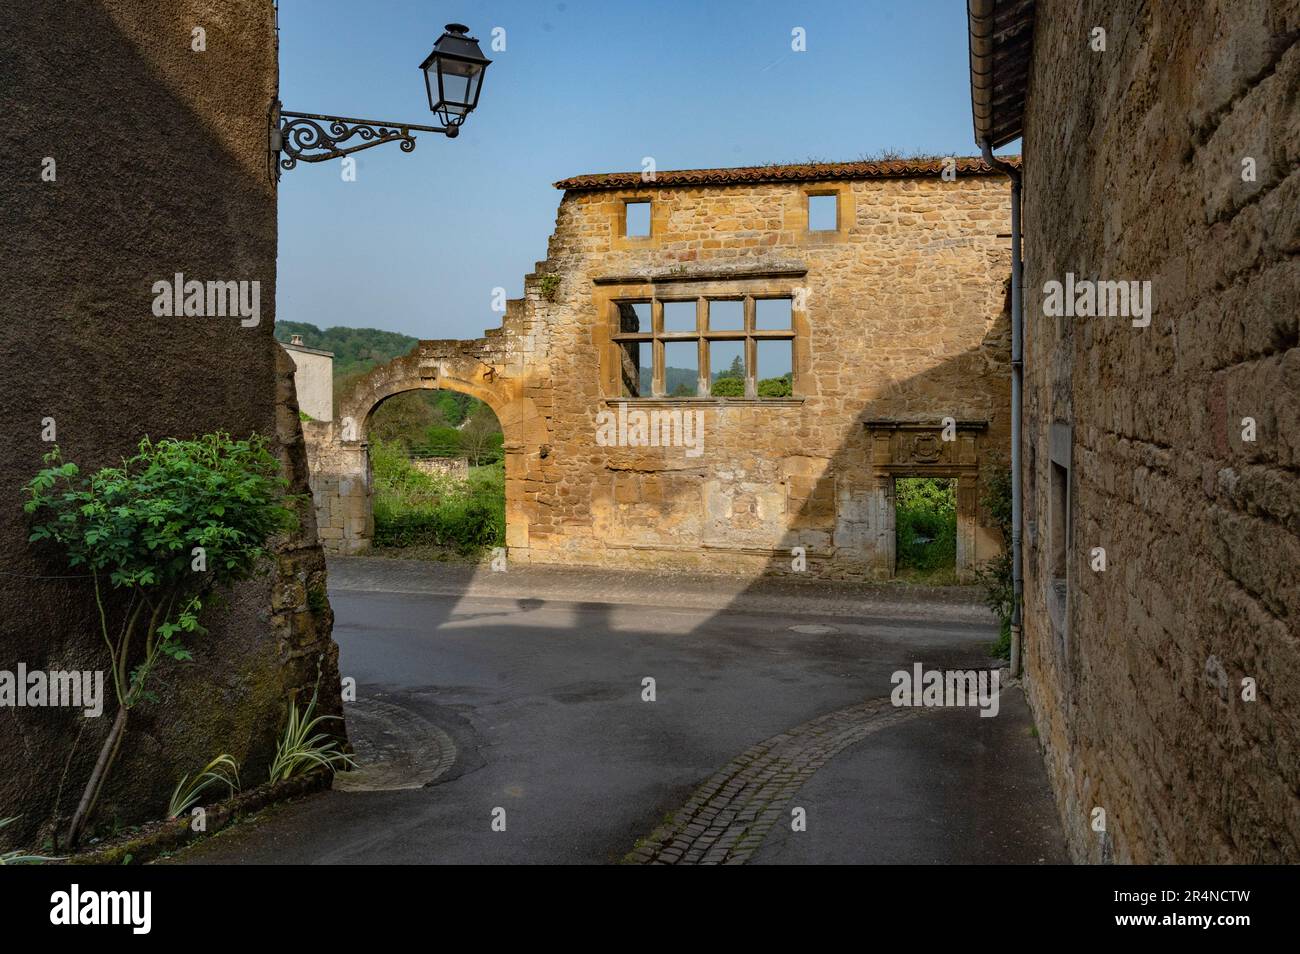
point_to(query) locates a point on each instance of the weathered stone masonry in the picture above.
(181, 184)
(898, 323)
(1134, 436)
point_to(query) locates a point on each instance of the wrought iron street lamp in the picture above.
(455, 71)
(453, 78)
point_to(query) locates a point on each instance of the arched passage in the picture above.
(340, 457)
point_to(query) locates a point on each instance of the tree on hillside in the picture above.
(736, 370)
(480, 434)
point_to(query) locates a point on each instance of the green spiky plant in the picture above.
(158, 535)
(302, 748)
(18, 857)
(223, 770)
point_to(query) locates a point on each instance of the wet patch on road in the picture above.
(395, 747)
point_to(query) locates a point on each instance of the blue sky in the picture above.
(419, 241)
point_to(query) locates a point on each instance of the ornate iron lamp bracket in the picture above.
(312, 137)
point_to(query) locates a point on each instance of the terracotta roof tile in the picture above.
(802, 172)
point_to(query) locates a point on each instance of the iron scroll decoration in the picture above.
(455, 67)
(311, 137)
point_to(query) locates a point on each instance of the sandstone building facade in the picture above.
(1166, 687)
(746, 378)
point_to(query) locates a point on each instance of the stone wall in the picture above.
(340, 487)
(899, 321)
(182, 184)
(456, 468)
(898, 318)
(314, 377)
(1133, 170)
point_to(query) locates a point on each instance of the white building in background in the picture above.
(314, 379)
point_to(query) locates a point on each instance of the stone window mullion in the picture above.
(657, 329)
(703, 345)
(631, 331)
(751, 351)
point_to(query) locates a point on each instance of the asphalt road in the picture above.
(523, 691)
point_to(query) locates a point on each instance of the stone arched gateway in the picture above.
(901, 325)
(339, 451)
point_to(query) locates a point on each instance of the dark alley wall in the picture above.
(1134, 162)
(161, 168)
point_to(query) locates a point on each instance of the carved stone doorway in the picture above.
(925, 449)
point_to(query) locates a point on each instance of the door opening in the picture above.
(925, 530)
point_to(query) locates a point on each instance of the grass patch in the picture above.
(425, 511)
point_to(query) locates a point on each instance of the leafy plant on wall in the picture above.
(158, 536)
(996, 575)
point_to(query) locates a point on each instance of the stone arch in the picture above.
(464, 366)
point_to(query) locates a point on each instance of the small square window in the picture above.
(636, 222)
(679, 316)
(823, 213)
(772, 314)
(726, 316)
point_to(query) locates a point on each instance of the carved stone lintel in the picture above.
(924, 448)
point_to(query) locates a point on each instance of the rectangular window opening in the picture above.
(726, 315)
(636, 221)
(681, 369)
(727, 368)
(1059, 525)
(634, 317)
(738, 348)
(775, 372)
(679, 316)
(636, 368)
(773, 314)
(823, 213)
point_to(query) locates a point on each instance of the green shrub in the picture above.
(222, 770)
(442, 442)
(163, 532)
(996, 575)
(412, 508)
(727, 384)
(925, 524)
(302, 748)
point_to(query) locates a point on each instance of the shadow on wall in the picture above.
(885, 441)
(161, 168)
(755, 494)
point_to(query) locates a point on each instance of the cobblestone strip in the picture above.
(727, 817)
